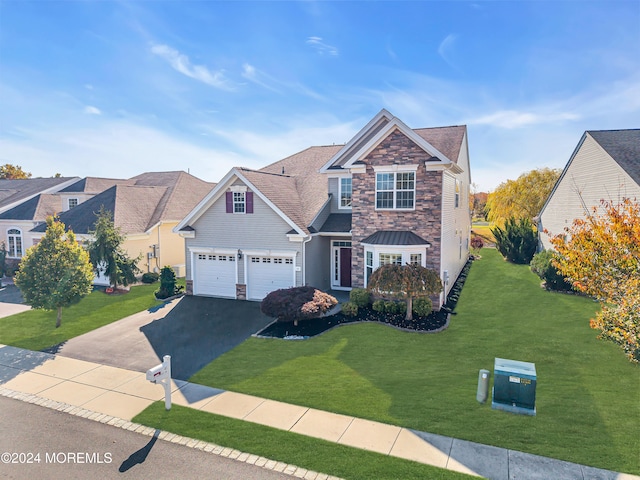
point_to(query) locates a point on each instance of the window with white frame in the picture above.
(345, 192)
(457, 199)
(390, 258)
(14, 237)
(72, 202)
(239, 202)
(415, 259)
(395, 190)
(369, 265)
(379, 255)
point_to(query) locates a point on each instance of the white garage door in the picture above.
(267, 274)
(215, 275)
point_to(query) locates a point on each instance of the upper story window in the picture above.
(239, 205)
(345, 192)
(395, 190)
(72, 202)
(14, 237)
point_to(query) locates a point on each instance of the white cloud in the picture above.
(182, 64)
(446, 49)
(516, 119)
(91, 110)
(321, 47)
(259, 78)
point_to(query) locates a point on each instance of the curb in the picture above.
(194, 443)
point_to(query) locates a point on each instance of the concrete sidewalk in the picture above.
(122, 394)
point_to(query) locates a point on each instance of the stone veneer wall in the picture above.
(424, 221)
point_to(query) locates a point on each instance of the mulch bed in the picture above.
(434, 322)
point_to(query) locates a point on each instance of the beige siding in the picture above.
(455, 229)
(591, 176)
(263, 229)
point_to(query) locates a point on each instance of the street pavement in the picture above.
(38, 442)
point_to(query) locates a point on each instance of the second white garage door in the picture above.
(215, 275)
(267, 274)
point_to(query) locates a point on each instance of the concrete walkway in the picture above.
(121, 394)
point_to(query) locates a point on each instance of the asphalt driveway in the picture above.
(193, 330)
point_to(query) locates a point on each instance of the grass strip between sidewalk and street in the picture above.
(35, 329)
(306, 452)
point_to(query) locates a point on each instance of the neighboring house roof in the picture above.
(623, 146)
(95, 184)
(337, 223)
(137, 208)
(14, 192)
(387, 237)
(37, 208)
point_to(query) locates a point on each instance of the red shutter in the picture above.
(249, 200)
(229, 202)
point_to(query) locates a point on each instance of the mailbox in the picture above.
(161, 374)
(514, 386)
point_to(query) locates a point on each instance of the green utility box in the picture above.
(514, 386)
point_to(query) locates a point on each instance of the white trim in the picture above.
(270, 253)
(238, 188)
(218, 192)
(382, 114)
(213, 250)
(334, 267)
(340, 207)
(395, 168)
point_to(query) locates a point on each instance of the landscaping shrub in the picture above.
(517, 241)
(391, 307)
(360, 296)
(150, 277)
(542, 266)
(422, 306)
(350, 309)
(378, 306)
(297, 303)
(477, 242)
(168, 287)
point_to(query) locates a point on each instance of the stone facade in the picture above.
(425, 220)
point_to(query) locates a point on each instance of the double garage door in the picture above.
(216, 275)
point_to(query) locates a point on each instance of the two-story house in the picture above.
(330, 215)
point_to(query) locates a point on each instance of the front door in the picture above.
(345, 267)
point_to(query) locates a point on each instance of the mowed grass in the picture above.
(306, 452)
(36, 329)
(588, 394)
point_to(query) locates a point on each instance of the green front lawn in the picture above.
(587, 392)
(306, 452)
(35, 329)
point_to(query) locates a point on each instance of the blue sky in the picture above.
(116, 88)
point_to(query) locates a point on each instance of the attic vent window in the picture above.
(73, 202)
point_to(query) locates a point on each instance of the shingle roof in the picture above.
(624, 148)
(446, 139)
(301, 191)
(96, 184)
(37, 208)
(338, 223)
(138, 207)
(12, 191)
(386, 237)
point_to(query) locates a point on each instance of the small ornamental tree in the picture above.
(517, 241)
(297, 303)
(106, 253)
(600, 256)
(404, 282)
(168, 287)
(56, 272)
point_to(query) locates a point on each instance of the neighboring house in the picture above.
(604, 166)
(146, 208)
(17, 222)
(329, 216)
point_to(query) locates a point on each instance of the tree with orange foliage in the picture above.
(600, 256)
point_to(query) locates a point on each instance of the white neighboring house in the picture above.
(604, 166)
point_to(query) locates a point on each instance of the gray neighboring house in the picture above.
(604, 166)
(330, 215)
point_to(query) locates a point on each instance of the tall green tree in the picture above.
(56, 272)
(404, 282)
(106, 253)
(521, 198)
(13, 172)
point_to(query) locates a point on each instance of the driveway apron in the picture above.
(193, 330)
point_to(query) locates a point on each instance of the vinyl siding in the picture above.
(262, 230)
(317, 263)
(592, 175)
